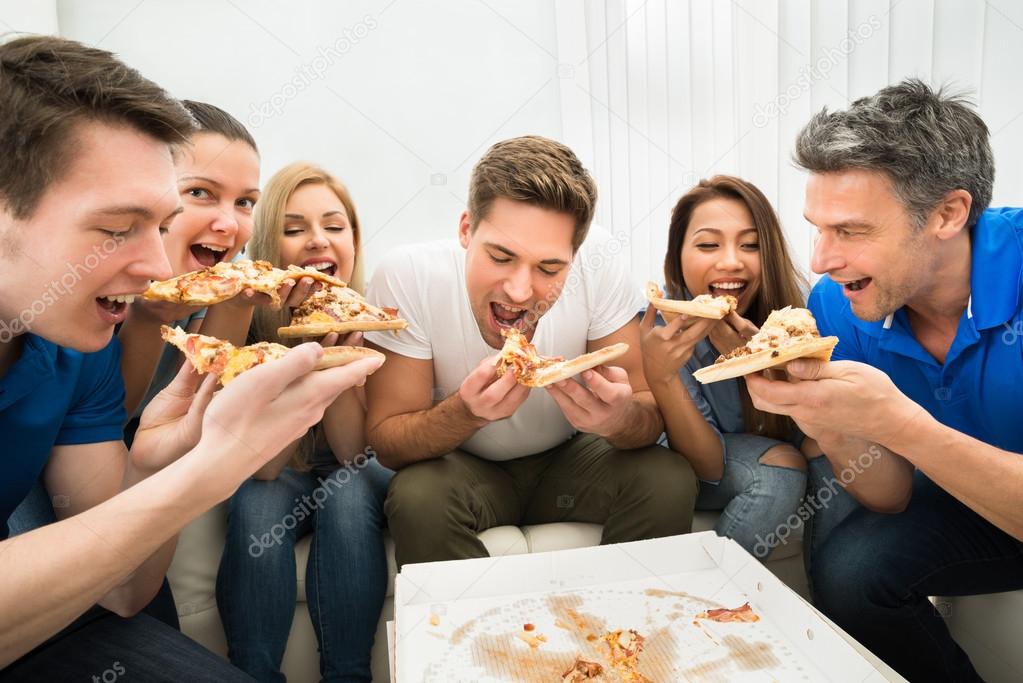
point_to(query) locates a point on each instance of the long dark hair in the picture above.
(780, 283)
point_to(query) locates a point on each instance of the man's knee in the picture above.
(784, 455)
(855, 566)
(423, 490)
(662, 472)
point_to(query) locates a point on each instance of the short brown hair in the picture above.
(781, 284)
(537, 171)
(50, 86)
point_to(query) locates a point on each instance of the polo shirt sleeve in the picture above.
(396, 284)
(96, 413)
(831, 309)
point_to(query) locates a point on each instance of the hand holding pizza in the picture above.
(171, 424)
(489, 397)
(667, 348)
(599, 404)
(266, 408)
(835, 400)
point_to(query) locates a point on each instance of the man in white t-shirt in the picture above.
(476, 451)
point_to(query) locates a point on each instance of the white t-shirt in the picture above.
(426, 283)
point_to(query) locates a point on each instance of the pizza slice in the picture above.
(227, 280)
(339, 309)
(533, 370)
(216, 356)
(702, 306)
(787, 334)
(625, 647)
(581, 670)
(738, 614)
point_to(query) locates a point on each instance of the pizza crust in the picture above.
(216, 356)
(671, 308)
(228, 279)
(814, 347)
(570, 368)
(319, 329)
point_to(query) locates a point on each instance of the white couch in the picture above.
(193, 575)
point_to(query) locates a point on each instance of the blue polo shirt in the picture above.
(979, 389)
(54, 396)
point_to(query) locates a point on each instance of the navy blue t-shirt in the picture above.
(54, 396)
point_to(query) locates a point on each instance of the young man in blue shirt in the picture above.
(919, 411)
(87, 187)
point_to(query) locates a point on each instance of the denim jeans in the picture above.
(874, 572)
(102, 646)
(756, 500)
(346, 577)
(828, 504)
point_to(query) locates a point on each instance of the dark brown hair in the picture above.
(52, 85)
(780, 283)
(537, 171)
(213, 119)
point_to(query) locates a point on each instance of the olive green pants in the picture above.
(435, 508)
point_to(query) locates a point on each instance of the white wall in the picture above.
(398, 98)
(401, 97)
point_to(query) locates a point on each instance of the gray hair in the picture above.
(927, 143)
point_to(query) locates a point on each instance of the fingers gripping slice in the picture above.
(342, 310)
(222, 358)
(227, 280)
(533, 370)
(702, 306)
(787, 334)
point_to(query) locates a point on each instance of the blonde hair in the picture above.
(268, 228)
(537, 171)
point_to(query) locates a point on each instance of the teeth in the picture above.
(729, 285)
(510, 309)
(324, 265)
(213, 247)
(121, 298)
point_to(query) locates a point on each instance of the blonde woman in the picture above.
(724, 239)
(326, 484)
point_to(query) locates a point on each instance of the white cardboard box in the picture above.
(466, 620)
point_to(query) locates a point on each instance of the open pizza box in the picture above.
(529, 617)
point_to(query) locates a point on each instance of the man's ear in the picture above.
(464, 229)
(953, 213)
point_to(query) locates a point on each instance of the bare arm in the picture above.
(402, 423)
(984, 478)
(53, 574)
(68, 566)
(875, 476)
(689, 434)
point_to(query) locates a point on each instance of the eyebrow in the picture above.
(719, 232)
(509, 252)
(124, 210)
(213, 182)
(842, 224)
(301, 217)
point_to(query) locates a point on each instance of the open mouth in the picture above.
(325, 267)
(208, 254)
(857, 285)
(113, 308)
(508, 316)
(731, 288)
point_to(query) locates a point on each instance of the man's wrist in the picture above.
(466, 412)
